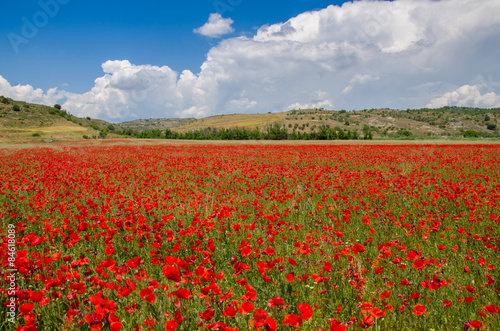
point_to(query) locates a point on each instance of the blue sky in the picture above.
(82, 35)
(122, 60)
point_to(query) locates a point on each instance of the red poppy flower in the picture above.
(207, 315)
(471, 289)
(446, 303)
(490, 309)
(115, 326)
(335, 325)
(171, 325)
(229, 311)
(473, 324)
(357, 248)
(419, 309)
(260, 317)
(305, 311)
(147, 295)
(95, 320)
(276, 301)
(182, 293)
(368, 319)
(246, 307)
(27, 307)
(172, 273)
(292, 320)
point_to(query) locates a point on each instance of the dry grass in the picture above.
(66, 128)
(248, 121)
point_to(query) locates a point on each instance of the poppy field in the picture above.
(250, 237)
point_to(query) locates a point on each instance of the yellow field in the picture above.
(232, 121)
(58, 129)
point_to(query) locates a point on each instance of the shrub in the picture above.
(471, 134)
(57, 106)
(16, 108)
(491, 127)
(405, 133)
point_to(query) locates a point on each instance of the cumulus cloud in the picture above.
(359, 80)
(29, 94)
(363, 54)
(216, 26)
(467, 95)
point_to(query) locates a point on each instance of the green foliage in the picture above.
(492, 127)
(36, 134)
(276, 132)
(272, 132)
(367, 133)
(405, 133)
(471, 134)
(15, 108)
(57, 106)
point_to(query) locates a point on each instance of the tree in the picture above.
(367, 133)
(471, 134)
(405, 133)
(16, 108)
(57, 106)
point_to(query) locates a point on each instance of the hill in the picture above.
(27, 122)
(444, 122)
(155, 123)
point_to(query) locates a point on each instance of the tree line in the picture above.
(271, 132)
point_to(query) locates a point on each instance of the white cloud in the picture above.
(359, 80)
(216, 26)
(241, 104)
(29, 94)
(467, 95)
(364, 54)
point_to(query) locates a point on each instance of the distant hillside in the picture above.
(155, 124)
(384, 123)
(26, 122)
(248, 121)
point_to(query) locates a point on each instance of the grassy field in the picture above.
(122, 234)
(155, 142)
